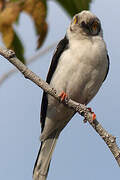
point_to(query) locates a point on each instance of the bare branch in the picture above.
(29, 61)
(109, 139)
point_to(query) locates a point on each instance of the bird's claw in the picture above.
(93, 116)
(63, 96)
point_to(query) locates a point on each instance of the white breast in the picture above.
(81, 69)
(80, 73)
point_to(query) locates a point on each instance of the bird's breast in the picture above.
(81, 71)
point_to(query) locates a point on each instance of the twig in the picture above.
(109, 139)
(29, 61)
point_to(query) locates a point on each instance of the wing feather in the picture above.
(63, 44)
(108, 67)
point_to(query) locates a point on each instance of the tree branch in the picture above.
(109, 139)
(32, 59)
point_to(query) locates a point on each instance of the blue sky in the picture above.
(80, 153)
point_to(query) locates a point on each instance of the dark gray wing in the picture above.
(108, 67)
(63, 44)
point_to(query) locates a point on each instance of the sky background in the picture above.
(80, 152)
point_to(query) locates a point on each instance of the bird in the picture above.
(79, 67)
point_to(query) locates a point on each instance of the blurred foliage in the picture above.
(37, 10)
(9, 15)
(10, 11)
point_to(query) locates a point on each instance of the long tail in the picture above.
(44, 157)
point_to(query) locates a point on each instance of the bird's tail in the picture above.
(44, 157)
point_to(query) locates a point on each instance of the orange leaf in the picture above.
(29, 6)
(2, 4)
(37, 10)
(9, 14)
(39, 13)
(42, 35)
(7, 35)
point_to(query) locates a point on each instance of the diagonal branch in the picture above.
(29, 61)
(109, 139)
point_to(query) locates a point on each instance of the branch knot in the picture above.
(9, 53)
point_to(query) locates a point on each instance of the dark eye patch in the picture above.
(84, 25)
(95, 27)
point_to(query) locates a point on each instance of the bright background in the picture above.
(80, 153)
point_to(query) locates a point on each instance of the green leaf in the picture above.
(74, 6)
(18, 47)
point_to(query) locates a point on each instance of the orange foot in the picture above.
(93, 115)
(63, 96)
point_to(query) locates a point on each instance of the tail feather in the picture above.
(44, 157)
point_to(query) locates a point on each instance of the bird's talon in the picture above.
(63, 96)
(93, 116)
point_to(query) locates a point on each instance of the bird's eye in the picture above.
(75, 21)
(95, 27)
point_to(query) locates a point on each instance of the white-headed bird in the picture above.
(78, 69)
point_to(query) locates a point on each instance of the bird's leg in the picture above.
(93, 115)
(63, 96)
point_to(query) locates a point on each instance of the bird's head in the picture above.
(85, 24)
